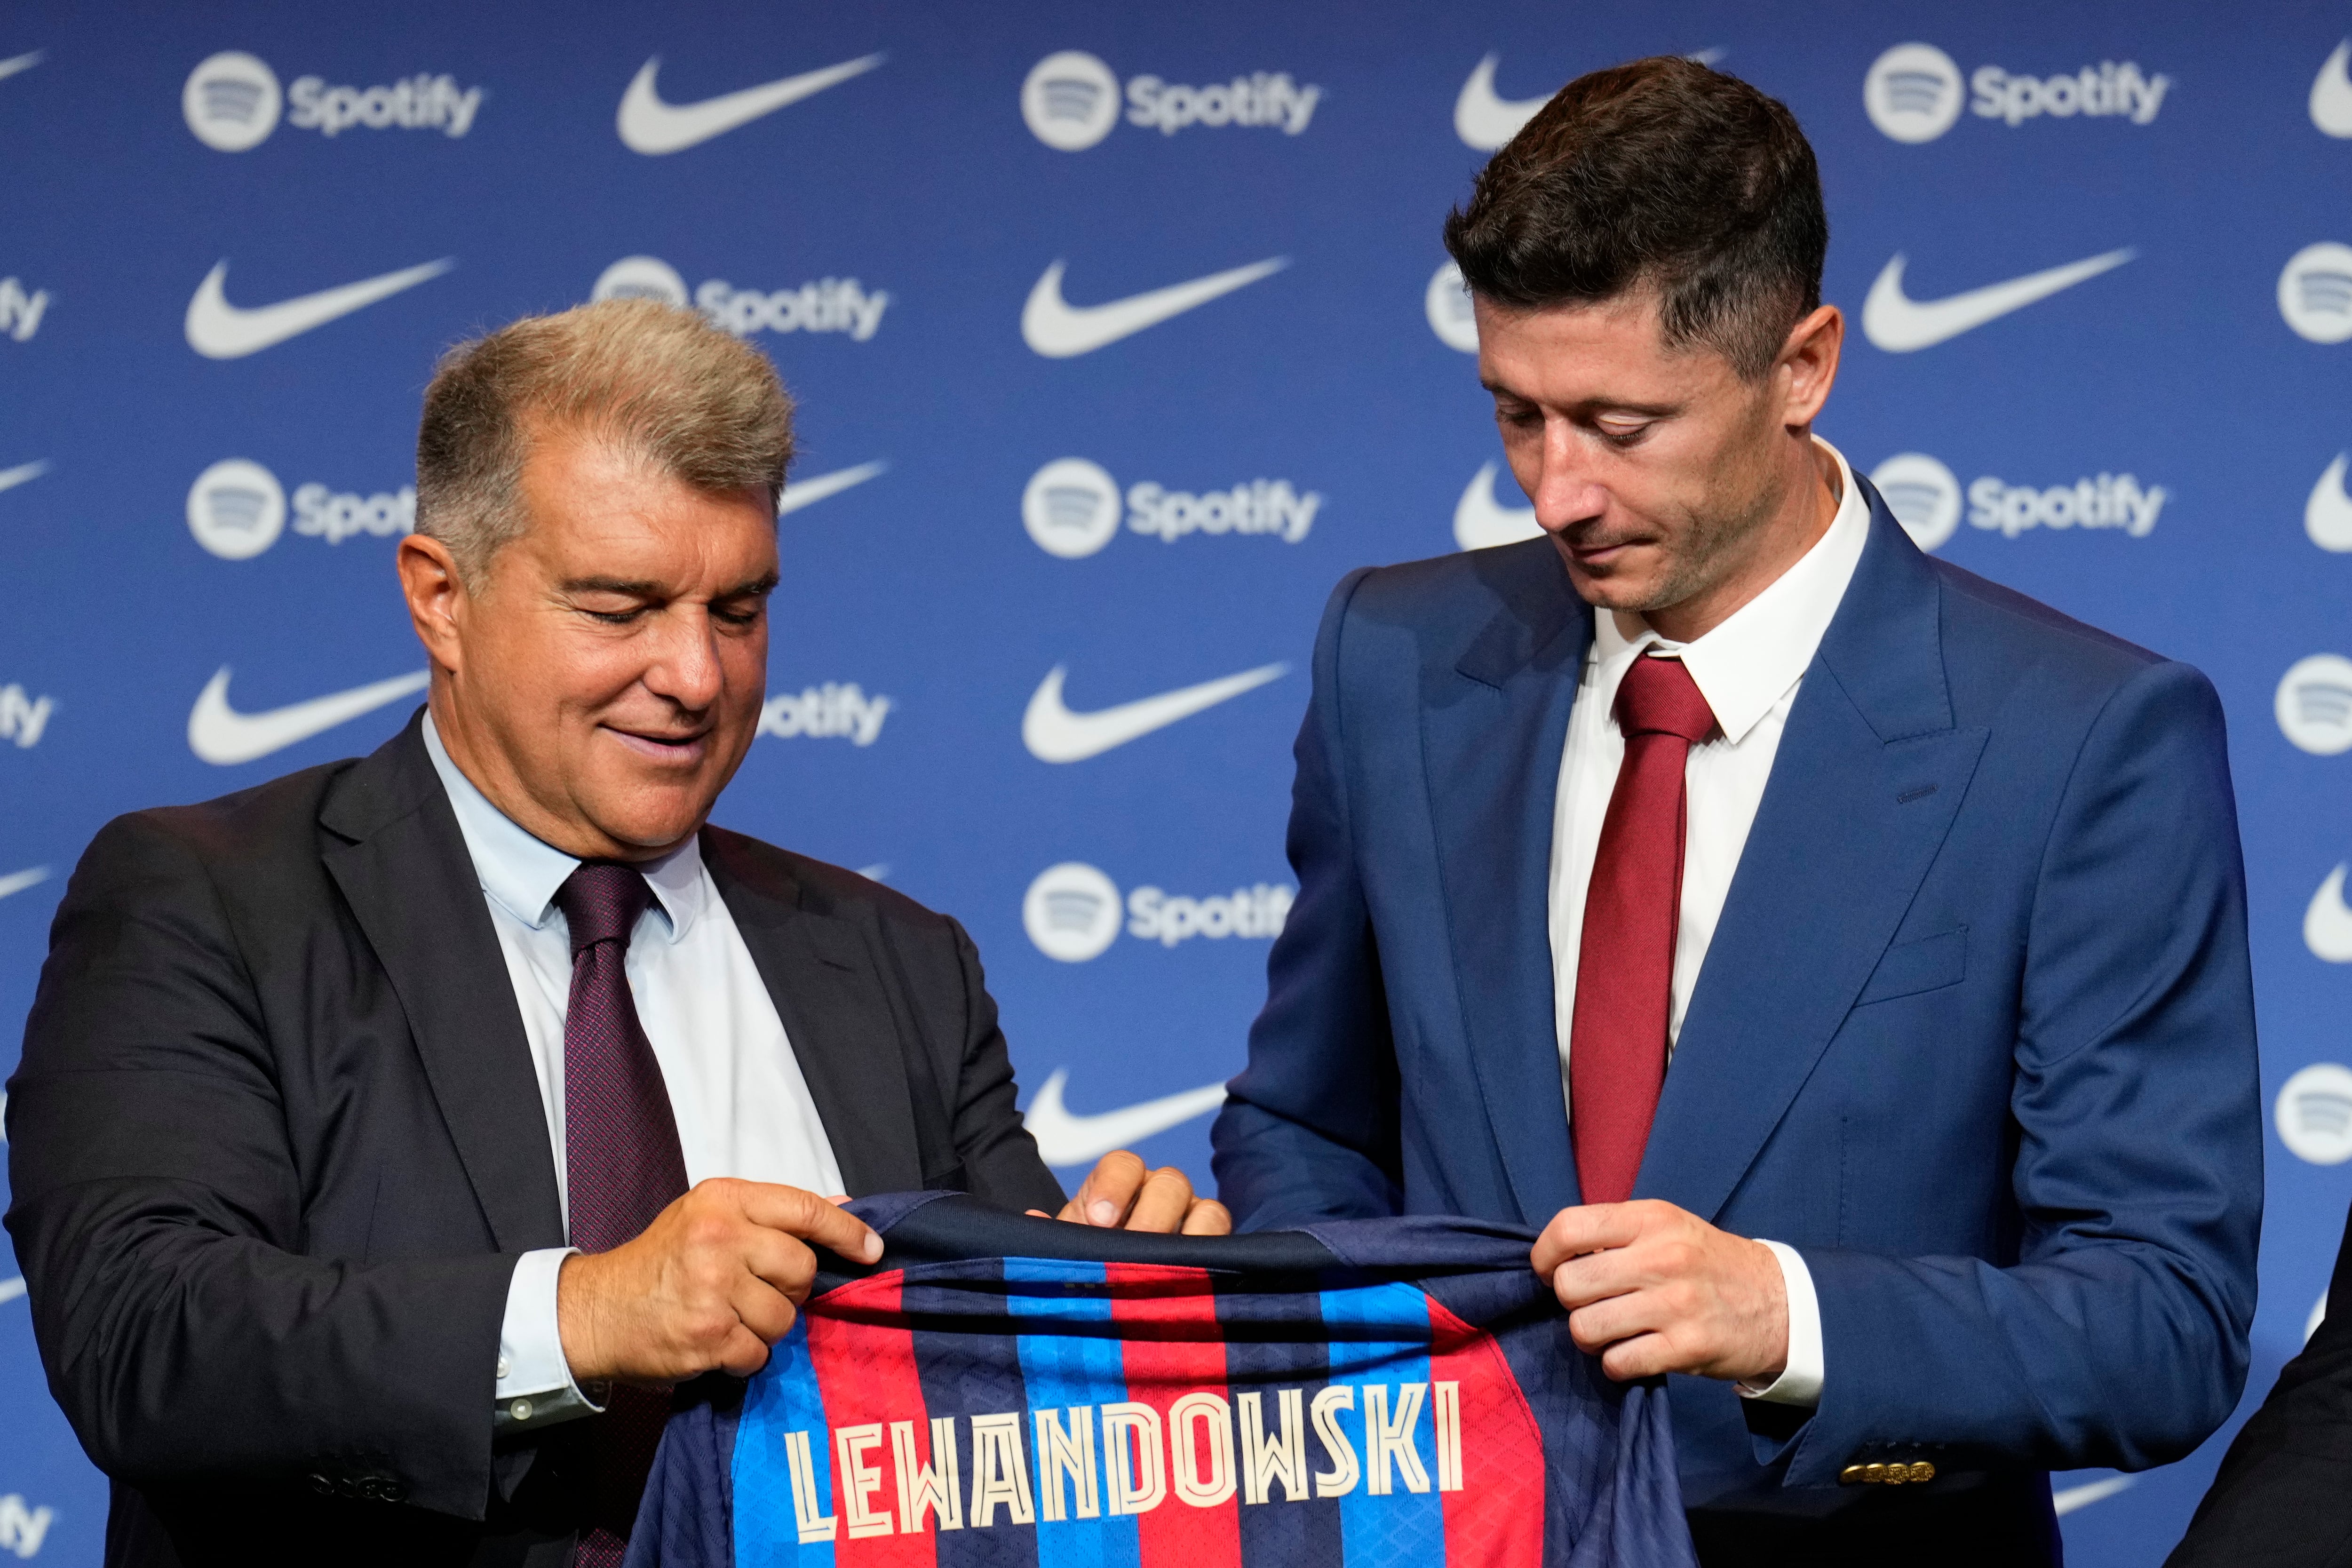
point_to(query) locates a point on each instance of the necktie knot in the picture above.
(601, 902)
(1658, 697)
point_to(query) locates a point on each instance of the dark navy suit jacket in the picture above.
(1975, 1034)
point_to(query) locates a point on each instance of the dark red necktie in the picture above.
(621, 1165)
(1626, 964)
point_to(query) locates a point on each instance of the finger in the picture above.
(1040, 1213)
(1161, 1207)
(763, 1309)
(779, 1263)
(1207, 1216)
(813, 1219)
(1646, 1356)
(1597, 1275)
(1109, 1190)
(743, 1354)
(1605, 1323)
(1585, 1228)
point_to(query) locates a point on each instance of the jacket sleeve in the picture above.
(1001, 1165)
(158, 1215)
(1309, 1130)
(2119, 1337)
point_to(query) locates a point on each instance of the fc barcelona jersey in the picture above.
(1004, 1389)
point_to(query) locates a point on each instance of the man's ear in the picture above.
(1808, 364)
(436, 598)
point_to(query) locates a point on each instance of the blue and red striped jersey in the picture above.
(1004, 1389)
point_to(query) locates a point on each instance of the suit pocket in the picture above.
(1908, 968)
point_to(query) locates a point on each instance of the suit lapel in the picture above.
(821, 974)
(1869, 775)
(403, 869)
(1492, 735)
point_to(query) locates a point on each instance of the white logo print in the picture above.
(832, 709)
(1912, 92)
(1900, 325)
(1071, 911)
(236, 508)
(23, 1528)
(2328, 515)
(20, 312)
(640, 278)
(1066, 1139)
(17, 882)
(2313, 1114)
(1059, 329)
(649, 126)
(1923, 495)
(809, 491)
(1153, 915)
(1268, 507)
(2315, 292)
(421, 103)
(231, 102)
(1446, 303)
(1070, 508)
(2110, 500)
(24, 717)
(2067, 1499)
(218, 330)
(336, 515)
(1483, 121)
(221, 735)
(11, 478)
(2331, 94)
(1070, 100)
(1055, 734)
(10, 67)
(828, 305)
(2326, 923)
(1480, 521)
(2314, 704)
(2095, 92)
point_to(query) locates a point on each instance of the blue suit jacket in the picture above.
(1975, 1034)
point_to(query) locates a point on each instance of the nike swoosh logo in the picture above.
(1900, 325)
(1059, 329)
(808, 492)
(1480, 521)
(221, 735)
(17, 882)
(2327, 924)
(2072, 1497)
(1484, 120)
(10, 67)
(11, 1289)
(2331, 93)
(11, 478)
(218, 330)
(2328, 515)
(1055, 734)
(1064, 1139)
(648, 125)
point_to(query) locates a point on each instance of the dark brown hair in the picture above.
(1659, 174)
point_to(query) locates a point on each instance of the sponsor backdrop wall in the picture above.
(1118, 338)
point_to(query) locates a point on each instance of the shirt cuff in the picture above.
(1800, 1381)
(535, 1387)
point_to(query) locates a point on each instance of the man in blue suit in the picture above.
(1841, 958)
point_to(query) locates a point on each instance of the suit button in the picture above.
(1921, 1470)
(321, 1485)
(1851, 1475)
(502, 1368)
(519, 1409)
(1876, 1475)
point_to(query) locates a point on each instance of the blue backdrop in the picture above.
(1118, 340)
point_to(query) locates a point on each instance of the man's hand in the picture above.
(1655, 1288)
(1120, 1194)
(715, 1280)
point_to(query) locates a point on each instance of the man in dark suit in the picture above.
(1931, 897)
(2283, 1497)
(389, 1137)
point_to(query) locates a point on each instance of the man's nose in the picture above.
(686, 667)
(1565, 492)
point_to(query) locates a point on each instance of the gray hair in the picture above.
(652, 378)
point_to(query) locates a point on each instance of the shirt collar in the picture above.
(1748, 662)
(522, 873)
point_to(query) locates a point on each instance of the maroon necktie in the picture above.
(622, 1165)
(1626, 964)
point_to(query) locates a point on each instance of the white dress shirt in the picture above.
(1748, 669)
(735, 1088)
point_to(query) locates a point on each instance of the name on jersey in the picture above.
(1125, 1459)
